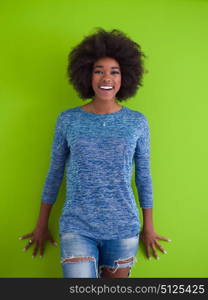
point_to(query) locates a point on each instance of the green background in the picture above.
(36, 37)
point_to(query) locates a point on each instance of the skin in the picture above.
(149, 237)
(41, 233)
(106, 71)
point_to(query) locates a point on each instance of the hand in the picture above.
(38, 237)
(149, 238)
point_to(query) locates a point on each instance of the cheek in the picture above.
(94, 81)
(119, 83)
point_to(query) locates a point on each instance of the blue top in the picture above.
(99, 151)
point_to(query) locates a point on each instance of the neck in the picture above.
(104, 107)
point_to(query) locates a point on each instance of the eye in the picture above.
(113, 72)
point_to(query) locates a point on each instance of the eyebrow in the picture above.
(100, 66)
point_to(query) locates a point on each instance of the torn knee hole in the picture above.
(120, 261)
(74, 259)
(124, 261)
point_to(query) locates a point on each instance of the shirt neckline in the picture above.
(106, 114)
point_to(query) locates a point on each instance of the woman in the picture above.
(99, 142)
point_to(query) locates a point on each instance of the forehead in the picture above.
(106, 62)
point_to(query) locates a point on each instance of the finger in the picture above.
(160, 247)
(41, 250)
(162, 238)
(148, 252)
(154, 251)
(28, 245)
(53, 242)
(35, 250)
(25, 236)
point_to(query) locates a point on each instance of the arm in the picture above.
(143, 176)
(45, 209)
(54, 177)
(55, 173)
(144, 185)
(59, 153)
(147, 219)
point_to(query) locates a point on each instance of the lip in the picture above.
(106, 85)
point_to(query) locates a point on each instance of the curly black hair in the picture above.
(114, 44)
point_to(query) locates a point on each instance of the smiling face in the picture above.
(106, 79)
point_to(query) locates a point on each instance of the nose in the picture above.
(106, 80)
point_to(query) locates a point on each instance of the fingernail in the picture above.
(169, 240)
(20, 238)
(158, 257)
(165, 252)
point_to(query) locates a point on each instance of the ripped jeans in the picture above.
(89, 256)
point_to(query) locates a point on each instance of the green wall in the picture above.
(36, 37)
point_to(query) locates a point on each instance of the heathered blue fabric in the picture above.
(98, 152)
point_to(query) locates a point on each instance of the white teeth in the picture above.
(106, 87)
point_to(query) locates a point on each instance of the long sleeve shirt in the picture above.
(98, 152)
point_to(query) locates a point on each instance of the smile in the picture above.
(106, 88)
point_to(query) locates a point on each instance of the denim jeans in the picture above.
(101, 253)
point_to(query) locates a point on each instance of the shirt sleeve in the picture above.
(143, 178)
(58, 157)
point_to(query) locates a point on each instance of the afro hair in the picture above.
(114, 44)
